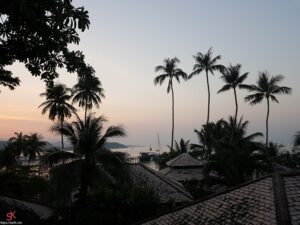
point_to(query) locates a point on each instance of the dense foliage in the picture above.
(38, 33)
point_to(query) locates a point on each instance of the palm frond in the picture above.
(226, 87)
(254, 98)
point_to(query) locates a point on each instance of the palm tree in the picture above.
(88, 92)
(34, 145)
(266, 88)
(169, 71)
(94, 159)
(206, 62)
(18, 143)
(56, 103)
(233, 79)
(234, 159)
(208, 135)
(183, 146)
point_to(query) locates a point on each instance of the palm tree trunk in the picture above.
(172, 139)
(85, 110)
(62, 136)
(236, 105)
(267, 123)
(208, 103)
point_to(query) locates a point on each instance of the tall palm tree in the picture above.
(233, 78)
(88, 92)
(206, 62)
(169, 71)
(266, 88)
(88, 141)
(57, 97)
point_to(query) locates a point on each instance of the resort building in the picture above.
(184, 168)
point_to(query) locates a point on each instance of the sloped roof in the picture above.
(182, 173)
(184, 160)
(167, 189)
(274, 199)
(43, 212)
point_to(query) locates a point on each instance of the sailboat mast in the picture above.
(159, 148)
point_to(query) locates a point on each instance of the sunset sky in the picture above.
(128, 38)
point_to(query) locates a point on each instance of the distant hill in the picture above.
(109, 145)
(2, 144)
(114, 145)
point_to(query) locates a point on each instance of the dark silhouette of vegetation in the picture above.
(234, 79)
(206, 62)
(95, 164)
(266, 88)
(40, 43)
(233, 160)
(30, 145)
(297, 139)
(57, 97)
(208, 134)
(7, 80)
(170, 71)
(183, 146)
(88, 91)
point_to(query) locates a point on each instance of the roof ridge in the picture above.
(281, 204)
(162, 177)
(176, 158)
(205, 198)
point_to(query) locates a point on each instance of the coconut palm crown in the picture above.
(88, 92)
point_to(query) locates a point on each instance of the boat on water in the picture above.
(148, 156)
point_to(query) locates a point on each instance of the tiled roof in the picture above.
(43, 212)
(183, 174)
(184, 160)
(292, 190)
(167, 189)
(274, 199)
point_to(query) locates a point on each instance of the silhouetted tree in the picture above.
(183, 146)
(95, 162)
(169, 71)
(34, 145)
(38, 33)
(88, 92)
(56, 103)
(7, 80)
(297, 139)
(206, 62)
(266, 88)
(30, 145)
(233, 78)
(234, 159)
(18, 143)
(208, 134)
